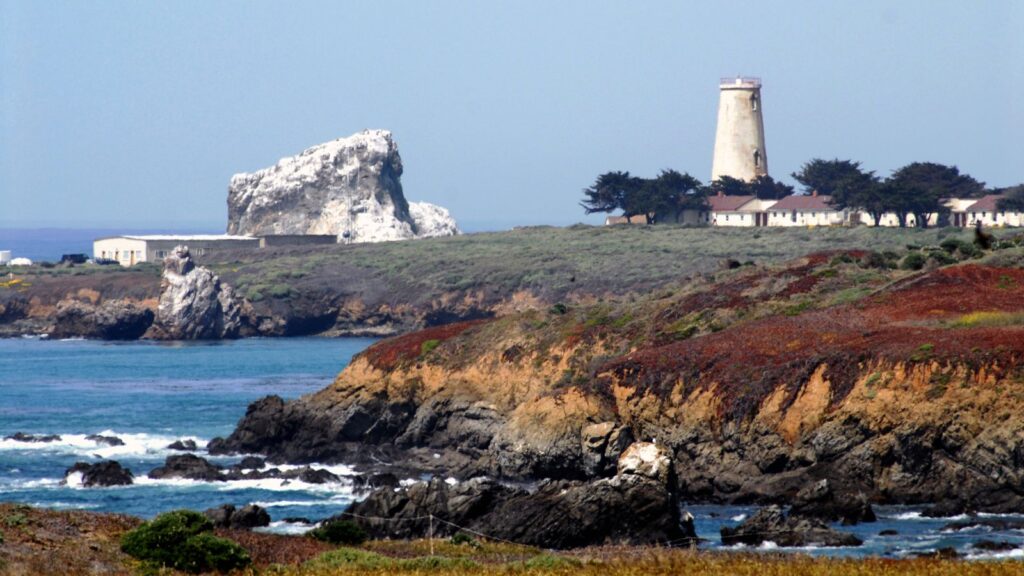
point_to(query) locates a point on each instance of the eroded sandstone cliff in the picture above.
(906, 387)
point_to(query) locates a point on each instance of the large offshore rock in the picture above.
(350, 187)
(194, 305)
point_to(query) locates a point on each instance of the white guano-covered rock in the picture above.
(648, 460)
(350, 187)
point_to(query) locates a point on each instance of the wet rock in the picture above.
(384, 480)
(189, 466)
(312, 476)
(251, 463)
(769, 524)
(889, 532)
(108, 440)
(638, 506)
(110, 320)
(947, 509)
(244, 518)
(23, 437)
(992, 546)
(221, 515)
(602, 444)
(184, 445)
(947, 553)
(105, 473)
(817, 500)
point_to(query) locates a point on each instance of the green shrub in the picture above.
(428, 346)
(558, 309)
(913, 261)
(254, 294)
(942, 258)
(340, 532)
(183, 540)
(16, 519)
(280, 291)
(461, 538)
(350, 558)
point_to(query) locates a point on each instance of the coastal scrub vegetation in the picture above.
(183, 540)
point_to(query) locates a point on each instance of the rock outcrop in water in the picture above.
(350, 187)
(194, 304)
(105, 473)
(639, 505)
(110, 320)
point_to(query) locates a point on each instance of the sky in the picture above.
(136, 114)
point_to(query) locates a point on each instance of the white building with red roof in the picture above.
(806, 210)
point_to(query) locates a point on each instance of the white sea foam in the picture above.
(739, 518)
(270, 484)
(135, 444)
(907, 516)
(334, 500)
(74, 480)
(768, 545)
(65, 505)
(1016, 553)
(282, 527)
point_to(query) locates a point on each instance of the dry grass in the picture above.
(412, 558)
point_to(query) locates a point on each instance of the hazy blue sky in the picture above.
(137, 114)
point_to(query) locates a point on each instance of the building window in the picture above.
(757, 158)
(753, 102)
(793, 215)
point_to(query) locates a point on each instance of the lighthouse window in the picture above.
(757, 158)
(753, 102)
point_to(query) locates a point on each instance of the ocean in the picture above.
(49, 244)
(150, 394)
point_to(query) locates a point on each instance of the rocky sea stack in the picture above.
(350, 187)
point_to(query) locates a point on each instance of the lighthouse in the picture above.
(739, 139)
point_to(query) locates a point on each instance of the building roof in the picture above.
(728, 203)
(180, 237)
(804, 203)
(986, 203)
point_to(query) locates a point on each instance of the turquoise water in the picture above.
(150, 394)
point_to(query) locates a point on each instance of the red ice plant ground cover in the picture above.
(904, 323)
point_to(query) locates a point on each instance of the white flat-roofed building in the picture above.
(131, 250)
(5, 257)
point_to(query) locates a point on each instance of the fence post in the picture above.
(431, 534)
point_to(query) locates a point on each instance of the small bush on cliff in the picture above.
(428, 346)
(913, 261)
(183, 540)
(339, 532)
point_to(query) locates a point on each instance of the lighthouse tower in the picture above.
(739, 140)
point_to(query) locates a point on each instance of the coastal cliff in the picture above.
(904, 386)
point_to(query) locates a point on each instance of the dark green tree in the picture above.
(1012, 200)
(825, 176)
(677, 193)
(920, 187)
(766, 188)
(608, 192)
(729, 186)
